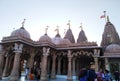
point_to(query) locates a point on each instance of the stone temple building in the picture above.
(58, 56)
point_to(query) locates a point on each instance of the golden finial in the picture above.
(68, 23)
(64, 31)
(108, 19)
(23, 22)
(57, 29)
(104, 15)
(46, 29)
(104, 12)
(81, 26)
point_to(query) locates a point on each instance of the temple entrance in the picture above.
(83, 61)
(64, 65)
(114, 67)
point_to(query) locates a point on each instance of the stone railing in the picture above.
(83, 44)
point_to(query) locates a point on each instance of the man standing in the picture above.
(91, 75)
(116, 75)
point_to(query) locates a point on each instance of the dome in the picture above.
(57, 40)
(65, 42)
(113, 48)
(45, 38)
(21, 32)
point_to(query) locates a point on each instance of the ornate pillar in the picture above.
(48, 65)
(53, 66)
(106, 64)
(74, 67)
(1, 61)
(5, 71)
(64, 66)
(16, 66)
(31, 59)
(69, 76)
(77, 66)
(44, 64)
(59, 66)
(96, 64)
(96, 55)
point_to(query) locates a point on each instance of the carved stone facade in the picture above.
(57, 56)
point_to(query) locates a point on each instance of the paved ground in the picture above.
(58, 78)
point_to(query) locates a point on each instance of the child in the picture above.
(31, 75)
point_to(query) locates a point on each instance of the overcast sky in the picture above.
(40, 13)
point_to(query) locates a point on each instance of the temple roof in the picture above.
(57, 39)
(21, 32)
(60, 41)
(113, 48)
(69, 36)
(82, 37)
(45, 38)
(110, 34)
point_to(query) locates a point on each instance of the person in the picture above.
(31, 75)
(26, 72)
(107, 75)
(82, 76)
(91, 75)
(100, 75)
(37, 72)
(116, 75)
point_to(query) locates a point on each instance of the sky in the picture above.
(40, 13)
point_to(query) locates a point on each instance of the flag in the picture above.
(102, 16)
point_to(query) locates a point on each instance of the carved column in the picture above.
(77, 66)
(59, 66)
(1, 61)
(44, 64)
(5, 73)
(96, 64)
(74, 66)
(64, 66)
(14, 76)
(31, 59)
(106, 64)
(96, 55)
(48, 65)
(53, 67)
(69, 76)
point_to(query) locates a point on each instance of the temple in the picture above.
(58, 56)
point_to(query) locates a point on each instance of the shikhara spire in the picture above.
(82, 37)
(110, 34)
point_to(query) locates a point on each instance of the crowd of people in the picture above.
(101, 75)
(84, 74)
(33, 73)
